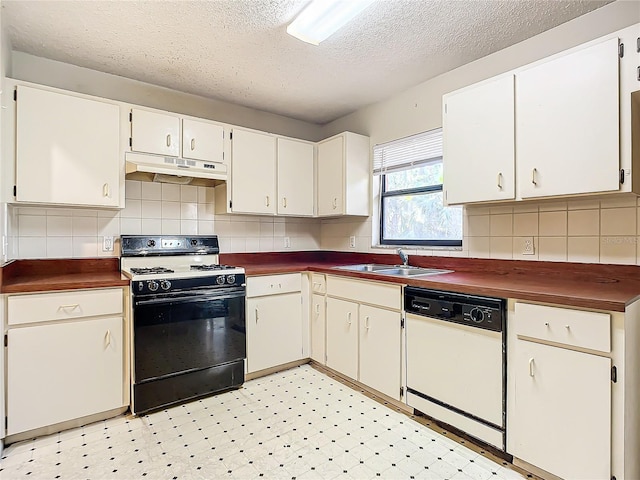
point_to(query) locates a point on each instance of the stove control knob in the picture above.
(194, 242)
(477, 315)
(165, 284)
(220, 279)
(140, 286)
(231, 279)
(151, 243)
(152, 285)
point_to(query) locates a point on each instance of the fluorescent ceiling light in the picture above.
(322, 18)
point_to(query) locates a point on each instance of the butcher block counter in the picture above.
(22, 276)
(603, 287)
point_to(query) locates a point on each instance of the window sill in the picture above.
(417, 247)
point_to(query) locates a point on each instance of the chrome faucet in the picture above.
(403, 256)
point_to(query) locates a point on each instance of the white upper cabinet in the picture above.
(68, 149)
(478, 129)
(344, 171)
(202, 140)
(567, 124)
(295, 177)
(153, 132)
(253, 172)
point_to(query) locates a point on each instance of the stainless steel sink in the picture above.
(366, 267)
(393, 270)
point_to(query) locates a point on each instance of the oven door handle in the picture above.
(188, 299)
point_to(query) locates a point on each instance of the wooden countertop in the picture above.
(21, 276)
(603, 287)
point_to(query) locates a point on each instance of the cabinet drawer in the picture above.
(42, 307)
(374, 293)
(318, 283)
(273, 284)
(579, 328)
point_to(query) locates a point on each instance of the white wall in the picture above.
(598, 230)
(92, 82)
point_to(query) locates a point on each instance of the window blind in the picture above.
(408, 152)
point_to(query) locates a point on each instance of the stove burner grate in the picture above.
(202, 268)
(150, 270)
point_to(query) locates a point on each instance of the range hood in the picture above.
(183, 171)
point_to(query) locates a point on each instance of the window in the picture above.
(411, 205)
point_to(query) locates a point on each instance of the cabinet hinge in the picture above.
(621, 176)
(6, 340)
(230, 204)
(15, 191)
(639, 74)
(230, 135)
(6, 423)
(401, 392)
(130, 141)
(15, 94)
(401, 322)
(638, 44)
(445, 108)
(621, 50)
(614, 374)
(131, 116)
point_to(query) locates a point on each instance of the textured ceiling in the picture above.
(238, 50)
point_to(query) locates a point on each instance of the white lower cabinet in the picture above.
(364, 340)
(380, 340)
(65, 371)
(318, 326)
(342, 337)
(561, 417)
(563, 411)
(274, 321)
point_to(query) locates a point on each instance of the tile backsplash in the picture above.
(603, 230)
(151, 209)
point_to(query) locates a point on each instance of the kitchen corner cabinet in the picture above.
(68, 149)
(343, 175)
(163, 133)
(65, 357)
(253, 172)
(479, 150)
(295, 161)
(364, 332)
(562, 408)
(274, 321)
(318, 318)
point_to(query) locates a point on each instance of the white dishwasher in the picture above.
(456, 361)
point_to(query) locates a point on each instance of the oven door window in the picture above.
(179, 333)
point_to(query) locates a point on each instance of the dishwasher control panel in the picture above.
(475, 311)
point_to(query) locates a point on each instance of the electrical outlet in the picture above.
(527, 246)
(352, 241)
(287, 242)
(107, 244)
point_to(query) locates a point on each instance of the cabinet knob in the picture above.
(168, 140)
(284, 202)
(531, 362)
(500, 181)
(335, 203)
(349, 318)
(534, 174)
(317, 309)
(266, 201)
(366, 322)
(71, 306)
(257, 314)
(105, 190)
(107, 338)
(193, 144)
(546, 324)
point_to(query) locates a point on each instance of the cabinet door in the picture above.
(274, 330)
(318, 333)
(253, 172)
(153, 132)
(63, 371)
(67, 149)
(331, 177)
(342, 337)
(567, 124)
(295, 177)
(202, 141)
(479, 137)
(562, 419)
(380, 339)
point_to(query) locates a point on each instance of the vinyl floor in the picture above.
(296, 424)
